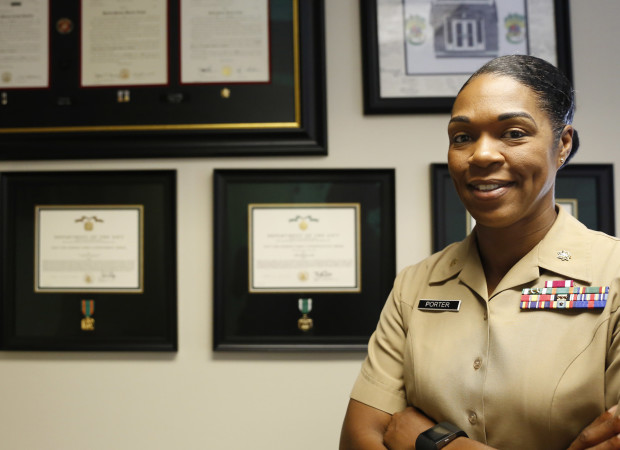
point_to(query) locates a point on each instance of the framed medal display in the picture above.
(88, 261)
(584, 190)
(169, 78)
(304, 259)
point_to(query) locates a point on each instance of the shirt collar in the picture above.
(457, 257)
(565, 250)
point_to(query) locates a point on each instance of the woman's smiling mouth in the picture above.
(494, 187)
(489, 185)
(486, 187)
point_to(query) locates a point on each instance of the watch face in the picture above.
(437, 432)
(439, 436)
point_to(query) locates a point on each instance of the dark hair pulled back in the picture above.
(555, 93)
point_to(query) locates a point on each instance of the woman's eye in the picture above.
(460, 138)
(514, 134)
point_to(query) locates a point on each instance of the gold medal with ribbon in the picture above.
(305, 323)
(88, 309)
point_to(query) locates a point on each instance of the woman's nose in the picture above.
(486, 152)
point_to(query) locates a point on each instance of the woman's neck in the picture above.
(502, 248)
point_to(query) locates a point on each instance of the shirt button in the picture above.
(486, 316)
(473, 418)
(477, 363)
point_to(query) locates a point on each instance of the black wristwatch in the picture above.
(438, 437)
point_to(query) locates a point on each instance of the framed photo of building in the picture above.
(169, 78)
(304, 259)
(418, 53)
(88, 261)
(586, 191)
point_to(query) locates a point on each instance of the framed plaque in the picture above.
(584, 190)
(418, 53)
(162, 78)
(304, 259)
(89, 261)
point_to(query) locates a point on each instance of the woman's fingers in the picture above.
(601, 434)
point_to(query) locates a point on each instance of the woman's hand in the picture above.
(404, 428)
(602, 434)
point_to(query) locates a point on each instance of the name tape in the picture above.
(439, 305)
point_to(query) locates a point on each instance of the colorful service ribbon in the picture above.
(574, 297)
(559, 283)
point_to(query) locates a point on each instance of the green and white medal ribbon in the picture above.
(304, 305)
(305, 323)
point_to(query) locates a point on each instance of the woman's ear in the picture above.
(565, 144)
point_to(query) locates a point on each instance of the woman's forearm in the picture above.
(363, 427)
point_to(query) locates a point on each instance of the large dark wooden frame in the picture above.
(245, 321)
(375, 104)
(143, 321)
(591, 184)
(32, 126)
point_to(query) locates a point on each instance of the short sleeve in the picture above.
(380, 383)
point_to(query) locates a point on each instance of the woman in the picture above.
(505, 377)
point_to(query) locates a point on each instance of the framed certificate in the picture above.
(123, 44)
(162, 78)
(89, 248)
(418, 53)
(24, 54)
(584, 190)
(297, 254)
(304, 247)
(88, 261)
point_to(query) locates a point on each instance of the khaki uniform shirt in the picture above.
(510, 378)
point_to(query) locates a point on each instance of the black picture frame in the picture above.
(415, 98)
(285, 116)
(145, 320)
(588, 186)
(245, 321)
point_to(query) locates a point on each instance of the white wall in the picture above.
(197, 399)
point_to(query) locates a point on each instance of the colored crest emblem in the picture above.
(515, 28)
(415, 30)
(64, 25)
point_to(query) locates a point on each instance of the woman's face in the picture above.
(503, 156)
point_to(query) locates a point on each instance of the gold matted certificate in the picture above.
(304, 247)
(224, 41)
(124, 43)
(24, 44)
(89, 248)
